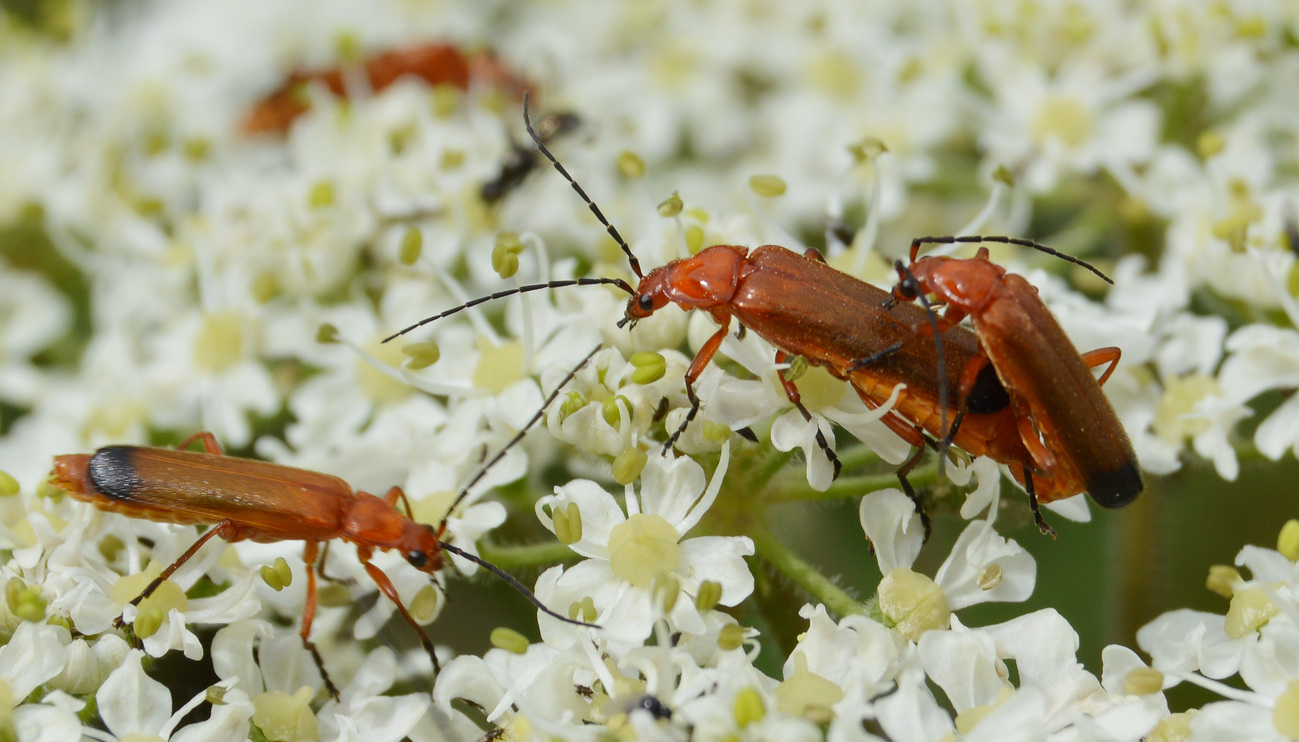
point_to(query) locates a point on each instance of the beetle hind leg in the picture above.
(1042, 525)
(791, 391)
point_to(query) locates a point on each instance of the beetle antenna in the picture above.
(514, 584)
(518, 436)
(945, 439)
(916, 243)
(541, 147)
(592, 281)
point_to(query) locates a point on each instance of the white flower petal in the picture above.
(911, 714)
(1185, 641)
(984, 567)
(231, 719)
(35, 653)
(232, 654)
(965, 665)
(131, 702)
(721, 560)
(892, 524)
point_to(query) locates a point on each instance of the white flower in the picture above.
(982, 566)
(635, 561)
(535, 690)
(34, 315)
(274, 679)
(35, 654)
(1078, 121)
(132, 704)
(1257, 639)
(1264, 357)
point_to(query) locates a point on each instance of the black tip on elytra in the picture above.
(1117, 488)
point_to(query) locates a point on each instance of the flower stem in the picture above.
(803, 574)
(532, 555)
(845, 487)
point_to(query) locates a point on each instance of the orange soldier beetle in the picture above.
(853, 329)
(436, 64)
(264, 502)
(1063, 418)
(838, 322)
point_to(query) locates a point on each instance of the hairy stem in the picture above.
(803, 574)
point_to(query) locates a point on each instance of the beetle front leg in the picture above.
(697, 366)
(387, 588)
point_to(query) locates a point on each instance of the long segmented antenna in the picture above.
(519, 436)
(916, 243)
(594, 281)
(483, 472)
(541, 147)
(516, 585)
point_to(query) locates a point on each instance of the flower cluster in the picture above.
(172, 262)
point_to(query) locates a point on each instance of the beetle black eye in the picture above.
(417, 559)
(645, 303)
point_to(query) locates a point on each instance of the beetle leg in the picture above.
(1042, 525)
(310, 554)
(386, 587)
(394, 494)
(320, 569)
(969, 377)
(791, 391)
(210, 444)
(225, 529)
(1042, 456)
(812, 253)
(916, 437)
(1094, 358)
(860, 363)
(911, 492)
(697, 367)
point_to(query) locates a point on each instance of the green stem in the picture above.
(803, 574)
(769, 468)
(845, 487)
(532, 555)
(856, 456)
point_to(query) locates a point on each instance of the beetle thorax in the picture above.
(968, 284)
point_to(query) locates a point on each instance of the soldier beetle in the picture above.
(805, 308)
(1072, 436)
(434, 63)
(854, 330)
(243, 499)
